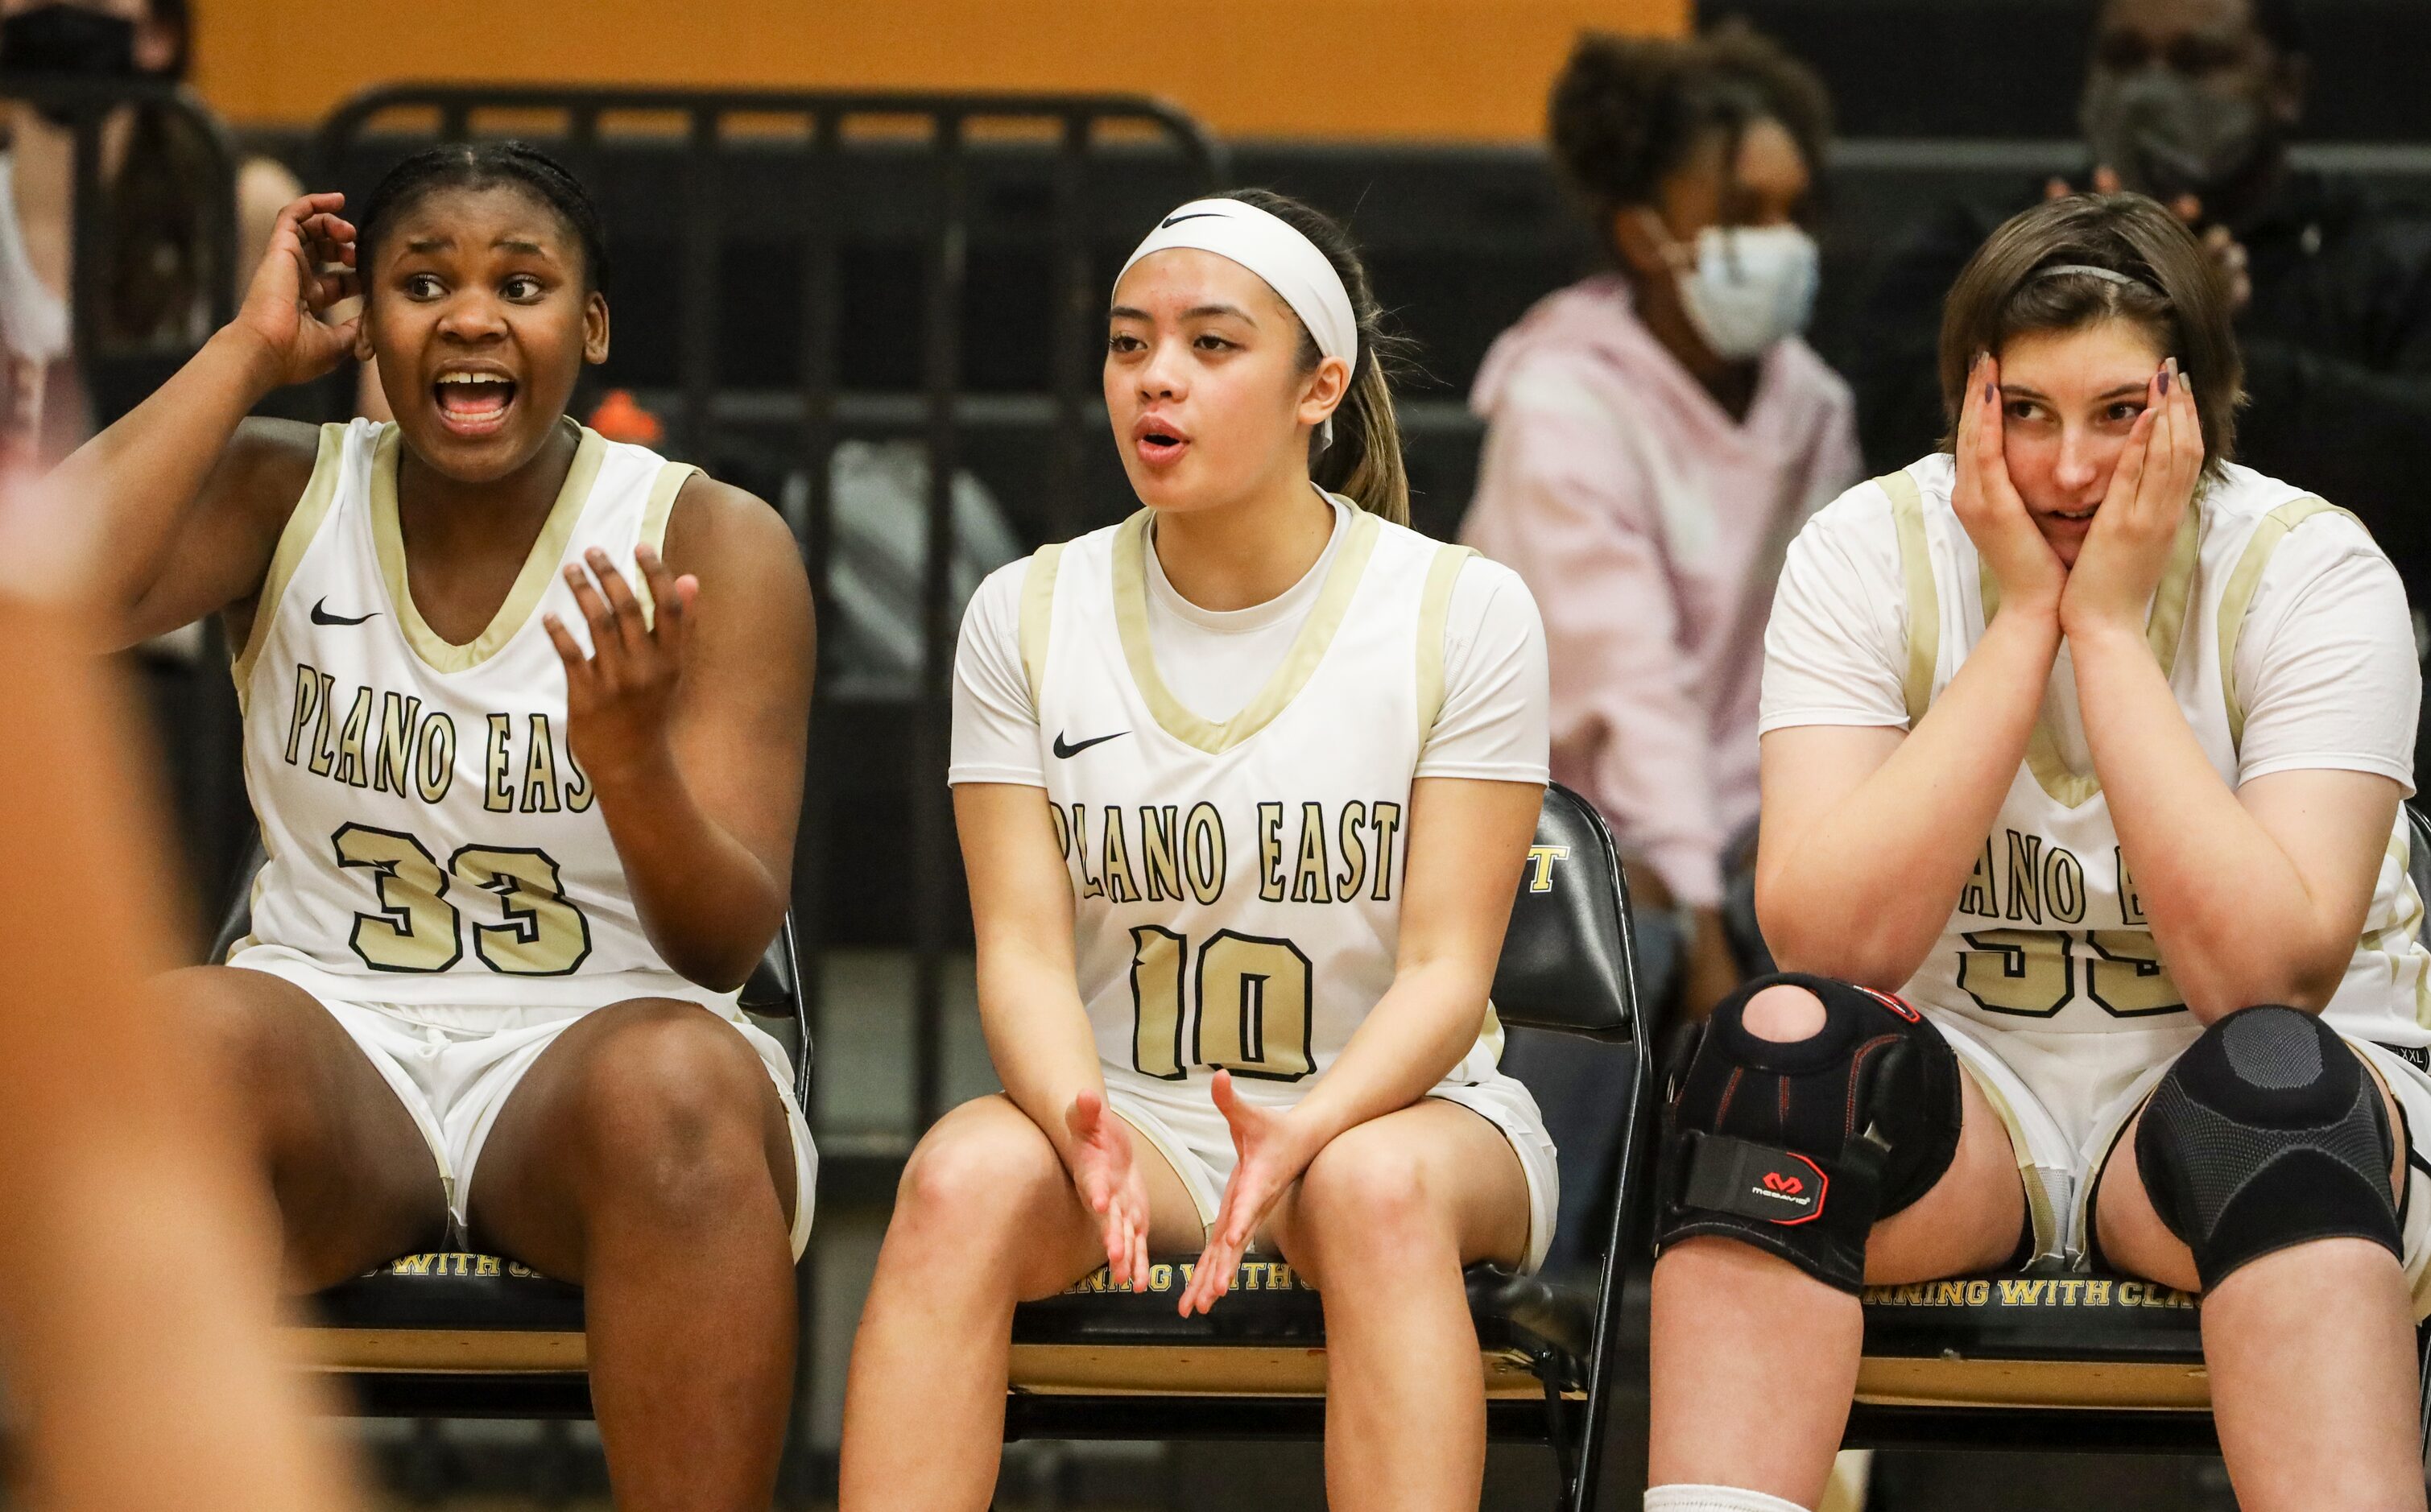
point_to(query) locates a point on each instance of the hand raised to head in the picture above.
(2150, 488)
(1987, 504)
(307, 267)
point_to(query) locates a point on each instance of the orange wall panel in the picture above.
(1409, 69)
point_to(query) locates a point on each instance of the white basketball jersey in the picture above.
(1236, 886)
(431, 839)
(2049, 935)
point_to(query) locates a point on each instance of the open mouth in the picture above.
(2075, 516)
(1159, 444)
(473, 403)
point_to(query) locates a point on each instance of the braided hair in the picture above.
(486, 165)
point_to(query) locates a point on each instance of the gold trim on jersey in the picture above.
(540, 565)
(2244, 578)
(1490, 1034)
(294, 538)
(1434, 610)
(1924, 601)
(655, 512)
(2165, 625)
(2042, 1216)
(2402, 940)
(1038, 615)
(1152, 1130)
(1131, 548)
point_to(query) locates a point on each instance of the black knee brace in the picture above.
(1799, 1148)
(2265, 1134)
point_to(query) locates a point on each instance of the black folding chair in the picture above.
(461, 1334)
(1096, 1363)
(2049, 1359)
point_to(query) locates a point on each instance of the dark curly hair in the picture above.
(1627, 111)
(485, 165)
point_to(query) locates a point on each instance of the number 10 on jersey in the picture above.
(1255, 1003)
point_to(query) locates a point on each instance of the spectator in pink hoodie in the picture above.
(1656, 435)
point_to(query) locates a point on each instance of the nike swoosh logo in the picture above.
(1177, 220)
(321, 616)
(1065, 753)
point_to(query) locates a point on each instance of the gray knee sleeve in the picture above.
(2267, 1132)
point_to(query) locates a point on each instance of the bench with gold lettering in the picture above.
(1104, 1361)
(2043, 1356)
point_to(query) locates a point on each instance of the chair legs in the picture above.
(1563, 1436)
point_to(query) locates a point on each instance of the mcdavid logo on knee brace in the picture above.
(1778, 1187)
(1799, 1192)
(1796, 1146)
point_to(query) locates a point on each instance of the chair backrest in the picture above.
(1570, 968)
(775, 991)
(238, 921)
(1567, 962)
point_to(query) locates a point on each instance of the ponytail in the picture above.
(1364, 464)
(1369, 470)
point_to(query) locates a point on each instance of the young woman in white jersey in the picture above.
(525, 720)
(2090, 745)
(1244, 785)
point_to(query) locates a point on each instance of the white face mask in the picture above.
(1750, 287)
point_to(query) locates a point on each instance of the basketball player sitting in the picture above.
(1244, 787)
(2090, 744)
(524, 723)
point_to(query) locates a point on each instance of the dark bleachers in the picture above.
(1463, 240)
(2011, 68)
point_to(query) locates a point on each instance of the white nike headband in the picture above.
(1270, 246)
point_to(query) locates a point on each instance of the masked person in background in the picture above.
(159, 264)
(2194, 103)
(1657, 434)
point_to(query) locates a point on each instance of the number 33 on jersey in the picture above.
(430, 838)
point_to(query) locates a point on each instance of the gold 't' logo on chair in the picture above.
(1540, 865)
